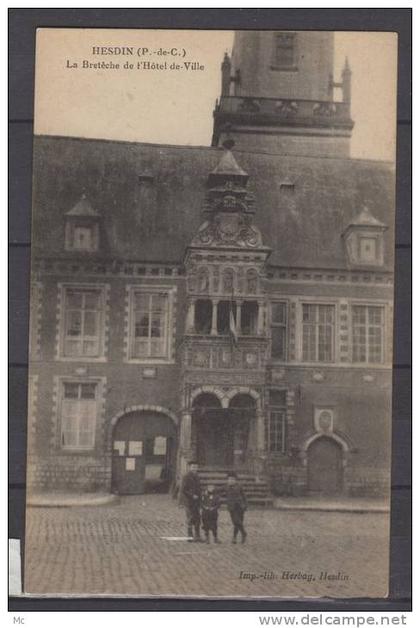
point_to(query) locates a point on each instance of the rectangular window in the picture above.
(318, 329)
(83, 238)
(368, 253)
(83, 321)
(284, 57)
(368, 334)
(279, 331)
(276, 424)
(249, 318)
(150, 325)
(78, 415)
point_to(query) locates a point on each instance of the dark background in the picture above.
(22, 27)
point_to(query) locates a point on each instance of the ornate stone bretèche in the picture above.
(230, 207)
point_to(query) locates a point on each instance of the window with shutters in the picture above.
(318, 331)
(78, 415)
(368, 324)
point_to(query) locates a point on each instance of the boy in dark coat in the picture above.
(236, 504)
(191, 493)
(210, 505)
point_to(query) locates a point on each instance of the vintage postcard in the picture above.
(211, 314)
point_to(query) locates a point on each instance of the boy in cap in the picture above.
(237, 505)
(209, 513)
(191, 493)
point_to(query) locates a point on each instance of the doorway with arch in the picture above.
(325, 466)
(222, 436)
(143, 452)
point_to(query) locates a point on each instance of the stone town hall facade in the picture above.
(231, 303)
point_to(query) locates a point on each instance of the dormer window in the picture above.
(83, 238)
(82, 228)
(364, 240)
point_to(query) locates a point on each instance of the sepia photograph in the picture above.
(211, 325)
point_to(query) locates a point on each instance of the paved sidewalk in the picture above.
(329, 504)
(137, 547)
(357, 505)
(59, 500)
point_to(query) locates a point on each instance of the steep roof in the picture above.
(229, 166)
(83, 208)
(366, 219)
(154, 220)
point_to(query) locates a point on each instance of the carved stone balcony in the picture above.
(219, 353)
(238, 110)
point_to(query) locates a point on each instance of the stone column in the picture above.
(260, 320)
(189, 327)
(259, 467)
(260, 431)
(214, 318)
(184, 447)
(185, 436)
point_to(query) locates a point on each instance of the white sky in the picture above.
(171, 107)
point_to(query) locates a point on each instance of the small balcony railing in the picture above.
(286, 109)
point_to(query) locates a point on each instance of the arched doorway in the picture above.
(325, 466)
(212, 432)
(221, 435)
(143, 453)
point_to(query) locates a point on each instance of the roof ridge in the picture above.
(216, 149)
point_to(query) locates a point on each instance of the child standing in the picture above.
(209, 513)
(191, 494)
(236, 503)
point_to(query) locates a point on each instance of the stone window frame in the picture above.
(171, 292)
(387, 329)
(58, 396)
(35, 316)
(61, 321)
(276, 409)
(32, 403)
(334, 302)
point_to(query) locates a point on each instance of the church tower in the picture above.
(278, 95)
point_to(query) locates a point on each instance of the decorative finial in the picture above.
(346, 65)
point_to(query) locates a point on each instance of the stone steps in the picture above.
(257, 491)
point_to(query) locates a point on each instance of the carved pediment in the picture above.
(228, 230)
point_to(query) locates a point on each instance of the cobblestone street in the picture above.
(121, 549)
